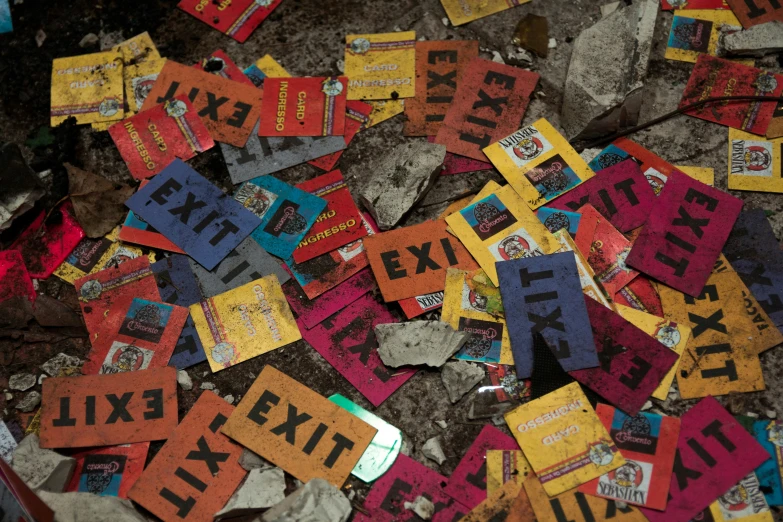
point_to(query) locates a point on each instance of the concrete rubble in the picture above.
(423, 507)
(603, 89)
(418, 342)
(58, 362)
(459, 378)
(262, 489)
(757, 41)
(83, 507)
(184, 380)
(29, 402)
(250, 461)
(401, 178)
(22, 381)
(434, 451)
(42, 469)
(316, 501)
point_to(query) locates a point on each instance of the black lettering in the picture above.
(292, 422)
(65, 418)
(226, 228)
(190, 204)
(193, 93)
(485, 100)
(481, 121)
(482, 142)
(240, 114)
(636, 374)
(441, 56)
(183, 505)
(434, 79)
(169, 93)
(678, 266)
(584, 507)
(729, 370)
(702, 324)
(608, 352)
(701, 198)
(340, 443)
(217, 422)
(392, 265)
(315, 438)
(686, 220)
(364, 349)
(608, 203)
(89, 418)
(710, 291)
(713, 430)
(680, 242)
(625, 188)
(451, 257)
(168, 186)
(576, 205)
(541, 296)
(207, 456)
(211, 108)
(479, 478)
(557, 509)
(263, 405)
(528, 277)
(713, 349)
(391, 502)
(549, 321)
(703, 454)
(190, 479)
(500, 79)
(119, 411)
(683, 473)
(186, 343)
(154, 404)
(424, 261)
(209, 218)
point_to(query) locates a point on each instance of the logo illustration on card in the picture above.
(286, 220)
(142, 85)
(552, 177)
(525, 145)
(690, 34)
(123, 357)
(667, 334)
(484, 341)
(656, 179)
(87, 253)
(636, 434)
(556, 221)
(600, 453)
(752, 158)
(256, 199)
(775, 433)
(102, 474)
(743, 499)
(471, 300)
(145, 320)
(515, 246)
(488, 217)
(630, 482)
(91, 290)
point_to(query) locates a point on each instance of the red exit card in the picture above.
(313, 106)
(685, 233)
(606, 250)
(357, 114)
(218, 63)
(489, 103)
(754, 12)
(235, 18)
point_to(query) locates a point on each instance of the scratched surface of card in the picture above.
(286, 213)
(769, 433)
(357, 115)
(684, 234)
(754, 162)
(563, 439)
(696, 31)
(347, 342)
(754, 12)
(105, 410)
(152, 139)
(406, 480)
(468, 482)
(243, 323)
(379, 65)
(310, 312)
(713, 453)
(544, 295)
(439, 66)
(539, 163)
(490, 100)
(464, 11)
(139, 79)
(235, 18)
(109, 471)
(228, 109)
(505, 466)
(632, 364)
(78, 92)
(621, 194)
(327, 444)
(311, 106)
(14, 278)
(196, 454)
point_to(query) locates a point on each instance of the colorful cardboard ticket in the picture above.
(340, 222)
(115, 286)
(421, 304)
(7, 442)
(544, 295)
(500, 227)
(439, 66)
(716, 75)
(193, 213)
(572, 446)
(505, 466)
(237, 19)
(674, 336)
(263, 68)
(6, 22)
(381, 66)
(87, 87)
(497, 505)
(310, 312)
(220, 64)
(468, 482)
(136, 337)
(311, 106)
(669, 5)
(139, 78)
(490, 99)
(197, 470)
(704, 175)
(138, 49)
(640, 294)
(696, 31)
(347, 342)
(466, 310)
(539, 163)
(586, 275)
(713, 453)
(383, 110)
(286, 213)
(648, 442)
(152, 139)
(48, 241)
(621, 194)
(743, 501)
(243, 323)
(244, 264)
(464, 11)
(682, 238)
(110, 471)
(105, 410)
(406, 480)
(357, 115)
(413, 260)
(754, 162)
(136, 230)
(632, 364)
(555, 220)
(654, 168)
(14, 278)
(277, 408)
(769, 433)
(229, 109)
(754, 12)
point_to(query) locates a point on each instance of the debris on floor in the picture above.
(419, 342)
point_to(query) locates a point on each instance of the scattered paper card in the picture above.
(237, 19)
(357, 115)
(87, 87)
(754, 162)
(311, 106)
(505, 466)
(14, 278)
(109, 471)
(220, 64)
(697, 31)
(755, 12)
(381, 66)
(463, 11)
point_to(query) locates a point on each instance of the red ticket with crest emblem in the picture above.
(607, 250)
(303, 106)
(235, 18)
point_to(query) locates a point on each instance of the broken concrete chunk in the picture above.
(42, 469)
(30, 402)
(316, 501)
(459, 378)
(79, 507)
(423, 507)
(757, 41)
(207, 386)
(250, 461)
(433, 451)
(609, 8)
(59, 361)
(399, 180)
(184, 380)
(532, 33)
(22, 381)
(263, 488)
(603, 90)
(418, 342)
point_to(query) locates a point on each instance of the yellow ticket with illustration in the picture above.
(754, 162)
(505, 466)
(697, 31)
(705, 175)
(464, 11)
(381, 66)
(87, 87)
(586, 275)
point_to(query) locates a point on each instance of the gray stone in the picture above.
(262, 489)
(757, 41)
(82, 507)
(266, 155)
(433, 451)
(207, 386)
(401, 178)
(603, 89)
(229, 399)
(110, 39)
(30, 402)
(609, 8)
(89, 40)
(418, 342)
(184, 380)
(459, 378)
(250, 461)
(423, 507)
(22, 381)
(42, 469)
(59, 361)
(246, 263)
(316, 501)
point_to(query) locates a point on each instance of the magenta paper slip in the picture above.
(619, 193)
(714, 452)
(456, 164)
(310, 312)
(632, 364)
(468, 483)
(406, 480)
(347, 342)
(685, 233)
